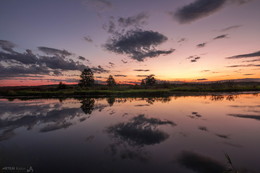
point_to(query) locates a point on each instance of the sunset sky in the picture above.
(48, 41)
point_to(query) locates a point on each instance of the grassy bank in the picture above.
(101, 90)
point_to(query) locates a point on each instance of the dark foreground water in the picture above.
(184, 134)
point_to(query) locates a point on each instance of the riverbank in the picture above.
(121, 91)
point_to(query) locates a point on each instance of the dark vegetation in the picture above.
(148, 87)
(63, 90)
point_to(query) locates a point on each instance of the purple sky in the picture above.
(49, 41)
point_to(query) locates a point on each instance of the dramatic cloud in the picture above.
(138, 44)
(197, 10)
(118, 25)
(200, 9)
(142, 70)
(120, 75)
(230, 28)
(22, 71)
(52, 51)
(249, 55)
(201, 45)
(24, 58)
(57, 62)
(221, 36)
(7, 45)
(15, 64)
(137, 20)
(88, 39)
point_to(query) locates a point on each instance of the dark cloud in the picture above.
(99, 69)
(230, 28)
(118, 25)
(248, 74)
(200, 164)
(202, 79)
(22, 71)
(181, 40)
(201, 45)
(138, 44)
(25, 58)
(141, 75)
(221, 36)
(200, 9)
(247, 65)
(123, 61)
(197, 9)
(27, 64)
(7, 45)
(255, 117)
(140, 131)
(111, 64)
(193, 58)
(111, 26)
(82, 58)
(88, 39)
(58, 62)
(142, 70)
(137, 20)
(253, 60)
(53, 51)
(202, 128)
(120, 75)
(249, 55)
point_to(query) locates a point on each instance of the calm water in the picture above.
(170, 134)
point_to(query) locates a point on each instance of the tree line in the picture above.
(87, 79)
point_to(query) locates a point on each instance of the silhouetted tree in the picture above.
(61, 86)
(111, 81)
(87, 105)
(87, 78)
(143, 82)
(111, 101)
(149, 80)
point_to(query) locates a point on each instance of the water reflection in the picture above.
(132, 134)
(140, 131)
(255, 117)
(87, 105)
(199, 163)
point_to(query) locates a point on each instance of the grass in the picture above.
(121, 90)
